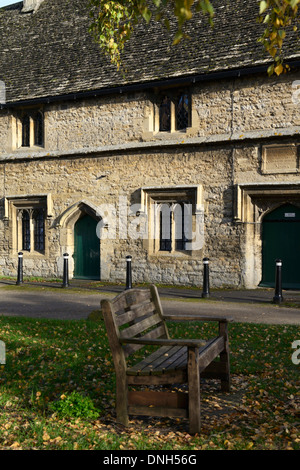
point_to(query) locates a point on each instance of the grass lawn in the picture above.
(57, 391)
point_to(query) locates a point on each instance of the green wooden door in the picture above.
(281, 239)
(87, 249)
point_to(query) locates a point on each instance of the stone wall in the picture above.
(71, 180)
(101, 149)
(220, 108)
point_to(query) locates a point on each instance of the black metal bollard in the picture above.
(66, 270)
(205, 293)
(128, 273)
(278, 283)
(20, 269)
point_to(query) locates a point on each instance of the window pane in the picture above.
(39, 230)
(182, 112)
(165, 236)
(26, 131)
(39, 129)
(183, 224)
(165, 115)
(25, 231)
(179, 226)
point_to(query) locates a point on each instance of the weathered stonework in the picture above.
(104, 148)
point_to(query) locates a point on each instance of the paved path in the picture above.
(53, 302)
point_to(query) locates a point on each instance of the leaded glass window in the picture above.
(39, 129)
(32, 229)
(174, 111)
(175, 225)
(182, 220)
(165, 227)
(182, 111)
(26, 131)
(39, 230)
(25, 230)
(165, 114)
(32, 128)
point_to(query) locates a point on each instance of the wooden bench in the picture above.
(134, 319)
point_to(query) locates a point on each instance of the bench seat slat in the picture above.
(175, 361)
(166, 358)
(157, 355)
(183, 360)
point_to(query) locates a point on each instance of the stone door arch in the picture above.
(80, 220)
(253, 202)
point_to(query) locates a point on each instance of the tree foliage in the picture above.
(114, 21)
(278, 15)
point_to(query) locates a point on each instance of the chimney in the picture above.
(31, 5)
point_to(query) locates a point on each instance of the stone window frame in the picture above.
(28, 128)
(14, 209)
(152, 197)
(31, 229)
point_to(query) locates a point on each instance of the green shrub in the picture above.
(74, 405)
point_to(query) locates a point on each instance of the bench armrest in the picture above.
(193, 343)
(196, 317)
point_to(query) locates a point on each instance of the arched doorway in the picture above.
(86, 249)
(281, 240)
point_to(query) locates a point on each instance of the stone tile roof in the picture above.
(51, 53)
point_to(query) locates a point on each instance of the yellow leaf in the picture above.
(46, 436)
(15, 445)
(278, 69)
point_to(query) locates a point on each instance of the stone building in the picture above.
(192, 152)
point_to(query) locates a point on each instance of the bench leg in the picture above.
(225, 359)
(194, 390)
(225, 381)
(122, 400)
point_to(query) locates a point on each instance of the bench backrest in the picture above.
(133, 313)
